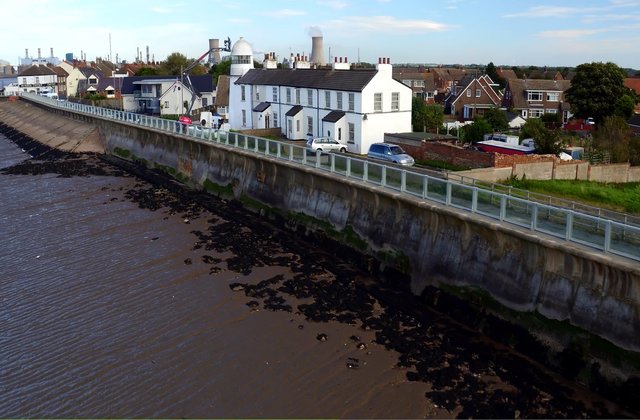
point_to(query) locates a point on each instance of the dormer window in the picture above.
(93, 80)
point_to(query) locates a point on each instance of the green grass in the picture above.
(620, 197)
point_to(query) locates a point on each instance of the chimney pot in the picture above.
(388, 60)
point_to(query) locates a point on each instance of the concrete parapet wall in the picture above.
(439, 244)
(634, 174)
(542, 170)
(616, 173)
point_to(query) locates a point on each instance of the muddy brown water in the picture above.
(123, 299)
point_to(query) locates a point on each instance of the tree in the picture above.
(625, 106)
(546, 141)
(418, 114)
(532, 129)
(475, 131)
(614, 136)
(497, 119)
(174, 64)
(434, 117)
(492, 72)
(595, 90)
(222, 68)
(147, 71)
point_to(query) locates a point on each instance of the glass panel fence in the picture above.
(462, 196)
(551, 220)
(586, 229)
(518, 211)
(436, 189)
(488, 203)
(625, 240)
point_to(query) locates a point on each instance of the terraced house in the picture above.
(352, 106)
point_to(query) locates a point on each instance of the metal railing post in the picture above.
(607, 236)
(403, 181)
(534, 216)
(425, 186)
(448, 196)
(474, 199)
(503, 207)
(568, 232)
(383, 176)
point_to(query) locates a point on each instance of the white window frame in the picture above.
(298, 98)
(535, 96)
(244, 117)
(536, 113)
(478, 93)
(243, 94)
(352, 133)
(377, 102)
(288, 95)
(276, 123)
(327, 99)
(395, 101)
(339, 100)
(309, 97)
(553, 96)
(310, 125)
(352, 101)
(468, 93)
(274, 94)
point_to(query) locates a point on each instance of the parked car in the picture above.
(325, 144)
(390, 152)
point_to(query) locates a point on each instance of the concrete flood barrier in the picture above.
(435, 245)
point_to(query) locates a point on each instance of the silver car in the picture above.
(390, 152)
(325, 144)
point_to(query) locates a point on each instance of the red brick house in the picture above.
(472, 97)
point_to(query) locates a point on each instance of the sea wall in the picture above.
(434, 244)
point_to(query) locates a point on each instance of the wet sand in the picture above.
(123, 298)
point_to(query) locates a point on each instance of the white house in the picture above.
(38, 79)
(353, 106)
(79, 74)
(167, 95)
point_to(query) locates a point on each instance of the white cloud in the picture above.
(333, 4)
(545, 11)
(387, 24)
(570, 33)
(284, 13)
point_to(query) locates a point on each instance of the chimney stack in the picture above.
(39, 56)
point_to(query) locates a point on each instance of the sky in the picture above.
(505, 32)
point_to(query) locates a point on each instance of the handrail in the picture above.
(570, 224)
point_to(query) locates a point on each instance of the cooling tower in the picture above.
(214, 56)
(317, 51)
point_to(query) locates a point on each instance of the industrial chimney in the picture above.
(214, 56)
(317, 51)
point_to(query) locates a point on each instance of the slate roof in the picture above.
(293, 111)
(333, 116)
(203, 83)
(262, 106)
(37, 71)
(344, 80)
